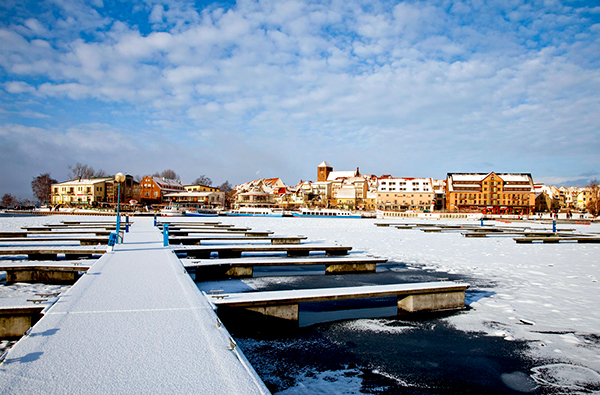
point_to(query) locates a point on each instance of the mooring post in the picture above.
(166, 235)
(155, 220)
(127, 228)
(554, 226)
(112, 239)
(481, 221)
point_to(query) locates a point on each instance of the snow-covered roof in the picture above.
(325, 164)
(83, 181)
(334, 175)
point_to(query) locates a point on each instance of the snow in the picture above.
(545, 294)
(134, 323)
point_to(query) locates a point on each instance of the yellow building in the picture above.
(80, 191)
(502, 193)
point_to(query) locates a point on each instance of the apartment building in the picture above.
(494, 193)
(402, 193)
(81, 191)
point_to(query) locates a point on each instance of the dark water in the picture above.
(361, 346)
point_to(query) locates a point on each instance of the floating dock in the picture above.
(135, 323)
(411, 298)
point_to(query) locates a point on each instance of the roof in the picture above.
(325, 164)
(83, 181)
(334, 175)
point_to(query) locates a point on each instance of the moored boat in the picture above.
(255, 212)
(201, 213)
(325, 213)
(172, 211)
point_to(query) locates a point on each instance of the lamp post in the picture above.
(119, 178)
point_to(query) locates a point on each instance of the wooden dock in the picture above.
(416, 297)
(45, 273)
(236, 251)
(134, 324)
(83, 240)
(209, 269)
(52, 253)
(200, 240)
(558, 239)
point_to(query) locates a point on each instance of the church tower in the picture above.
(323, 171)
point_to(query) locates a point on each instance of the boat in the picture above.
(325, 213)
(201, 213)
(255, 212)
(172, 211)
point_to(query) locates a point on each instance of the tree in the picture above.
(168, 174)
(225, 187)
(593, 205)
(203, 180)
(42, 187)
(8, 200)
(81, 171)
(101, 174)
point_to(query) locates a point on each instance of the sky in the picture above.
(260, 89)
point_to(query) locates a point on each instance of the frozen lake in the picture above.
(532, 325)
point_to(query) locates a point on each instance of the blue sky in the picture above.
(251, 89)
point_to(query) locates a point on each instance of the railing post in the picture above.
(166, 235)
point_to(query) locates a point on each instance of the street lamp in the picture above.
(119, 178)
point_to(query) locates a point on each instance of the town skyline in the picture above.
(257, 89)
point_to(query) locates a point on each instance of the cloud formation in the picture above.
(409, 88)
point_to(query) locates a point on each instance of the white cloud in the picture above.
(386, 74)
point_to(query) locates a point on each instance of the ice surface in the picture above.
(545, 294)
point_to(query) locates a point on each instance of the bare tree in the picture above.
(203, 180)
(42, 187)
(226, 187)
(593, 205)
(81, 171)
(168, 174)
(8, 200)
(101, 173)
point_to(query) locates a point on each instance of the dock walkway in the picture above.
(134, 324)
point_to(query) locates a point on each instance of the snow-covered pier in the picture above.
(416, 297)
(244, 267)
(198, 240)
(135, 323)
(44, 272)
(235, 251)
(52, 252)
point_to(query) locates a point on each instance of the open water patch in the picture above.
(401, 355)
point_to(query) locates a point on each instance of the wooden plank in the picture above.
(570, 239)
(193, 240)
(85, 240)
(235, 251)
(270, 261)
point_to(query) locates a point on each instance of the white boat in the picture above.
(383, 214)
(325, 213)
(172, 211)
(255, 212)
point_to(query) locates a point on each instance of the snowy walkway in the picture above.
(135, 324)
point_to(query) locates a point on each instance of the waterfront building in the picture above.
(493, 193)
(261, 193)
(404, 193)
(81, 191)
(547, 199)
(154, 189)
